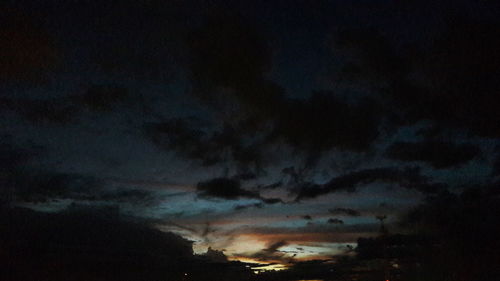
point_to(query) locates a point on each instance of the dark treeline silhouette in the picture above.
(83, 244)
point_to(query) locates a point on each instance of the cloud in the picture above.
(335, 221)
(430, 77)
(344, 211)
(34, 186)
(324, 121)
(48, 186)
(333, 233)
(178, 135)
(438, 154)
(243, 207)
(230, 189)
(275, 246)
(271, 185)
(272, 200)
(271, 253)
(224, 188)
(229, 60)
(407, 177)
(210, 146)
(245, 176)
(307, 217)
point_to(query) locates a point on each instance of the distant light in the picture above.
(185, 274)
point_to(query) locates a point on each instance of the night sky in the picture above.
(277, 133)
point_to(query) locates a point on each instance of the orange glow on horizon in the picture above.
(271, 265)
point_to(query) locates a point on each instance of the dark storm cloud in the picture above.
(271, 200)
(210, 146)
(244, 207)
(46, 186)
(446, 75)
(245, 176)
(272, 185)
(38, 186)
(323, 121)
(296, 175)
(224, 188)
(407, 177)
(229, 62)
(335, 221)
(230, 189)
(345, 211)
(393, 76)
(438, 154)
(178, 135)
(305, 125)
(24, 183)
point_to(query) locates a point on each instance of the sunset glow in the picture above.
(249, 140)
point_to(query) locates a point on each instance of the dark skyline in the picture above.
(278, 133)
